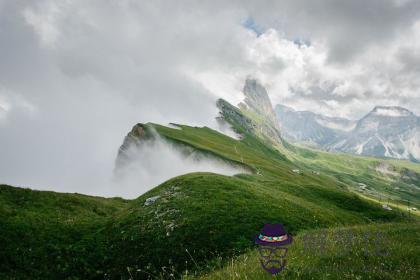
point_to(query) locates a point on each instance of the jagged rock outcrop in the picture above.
(235, 117)
(138, 134)
(258, 101)
(255, 115)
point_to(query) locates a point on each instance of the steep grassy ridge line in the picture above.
(380, 251)
(249, 151)
(346, 170)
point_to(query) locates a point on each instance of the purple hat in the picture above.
(273, 235)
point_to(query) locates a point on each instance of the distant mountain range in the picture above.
(312, 128)
(384, 132)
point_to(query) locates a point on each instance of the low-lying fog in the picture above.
(154, 162)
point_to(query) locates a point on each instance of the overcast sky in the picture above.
(75, 76)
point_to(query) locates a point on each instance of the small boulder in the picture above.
(386, 207)
(151, 200)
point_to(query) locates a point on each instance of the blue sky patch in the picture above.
(250, 24)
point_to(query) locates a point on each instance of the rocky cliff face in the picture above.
(254, 116)
(258, 101)
(229, 113)
(138, 135)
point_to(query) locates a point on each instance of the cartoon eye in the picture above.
(265, 252)
(280, 252)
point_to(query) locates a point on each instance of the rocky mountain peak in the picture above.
(257, 99)
(391, 119)
(255, 115)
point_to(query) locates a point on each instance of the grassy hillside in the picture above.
(205, 215)
(198, 218)
(384, 251)
(50, 235)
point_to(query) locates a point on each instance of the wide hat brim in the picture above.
(258, 241)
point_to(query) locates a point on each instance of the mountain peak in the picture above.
(256, 97)
(391, 111)
(255, 115)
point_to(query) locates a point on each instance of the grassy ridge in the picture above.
(277, 162)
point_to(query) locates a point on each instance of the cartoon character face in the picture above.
(271, 240)
(272, 259)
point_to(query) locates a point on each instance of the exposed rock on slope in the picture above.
(234, 116)
(138, 134)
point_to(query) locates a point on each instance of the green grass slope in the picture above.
(203, 216)
(384, 251)
(48, 235)
(197, 219)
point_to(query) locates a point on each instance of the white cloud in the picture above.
(90, 70)
(153, 162)
(10, 102)
(4, 107)
(44, 21)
